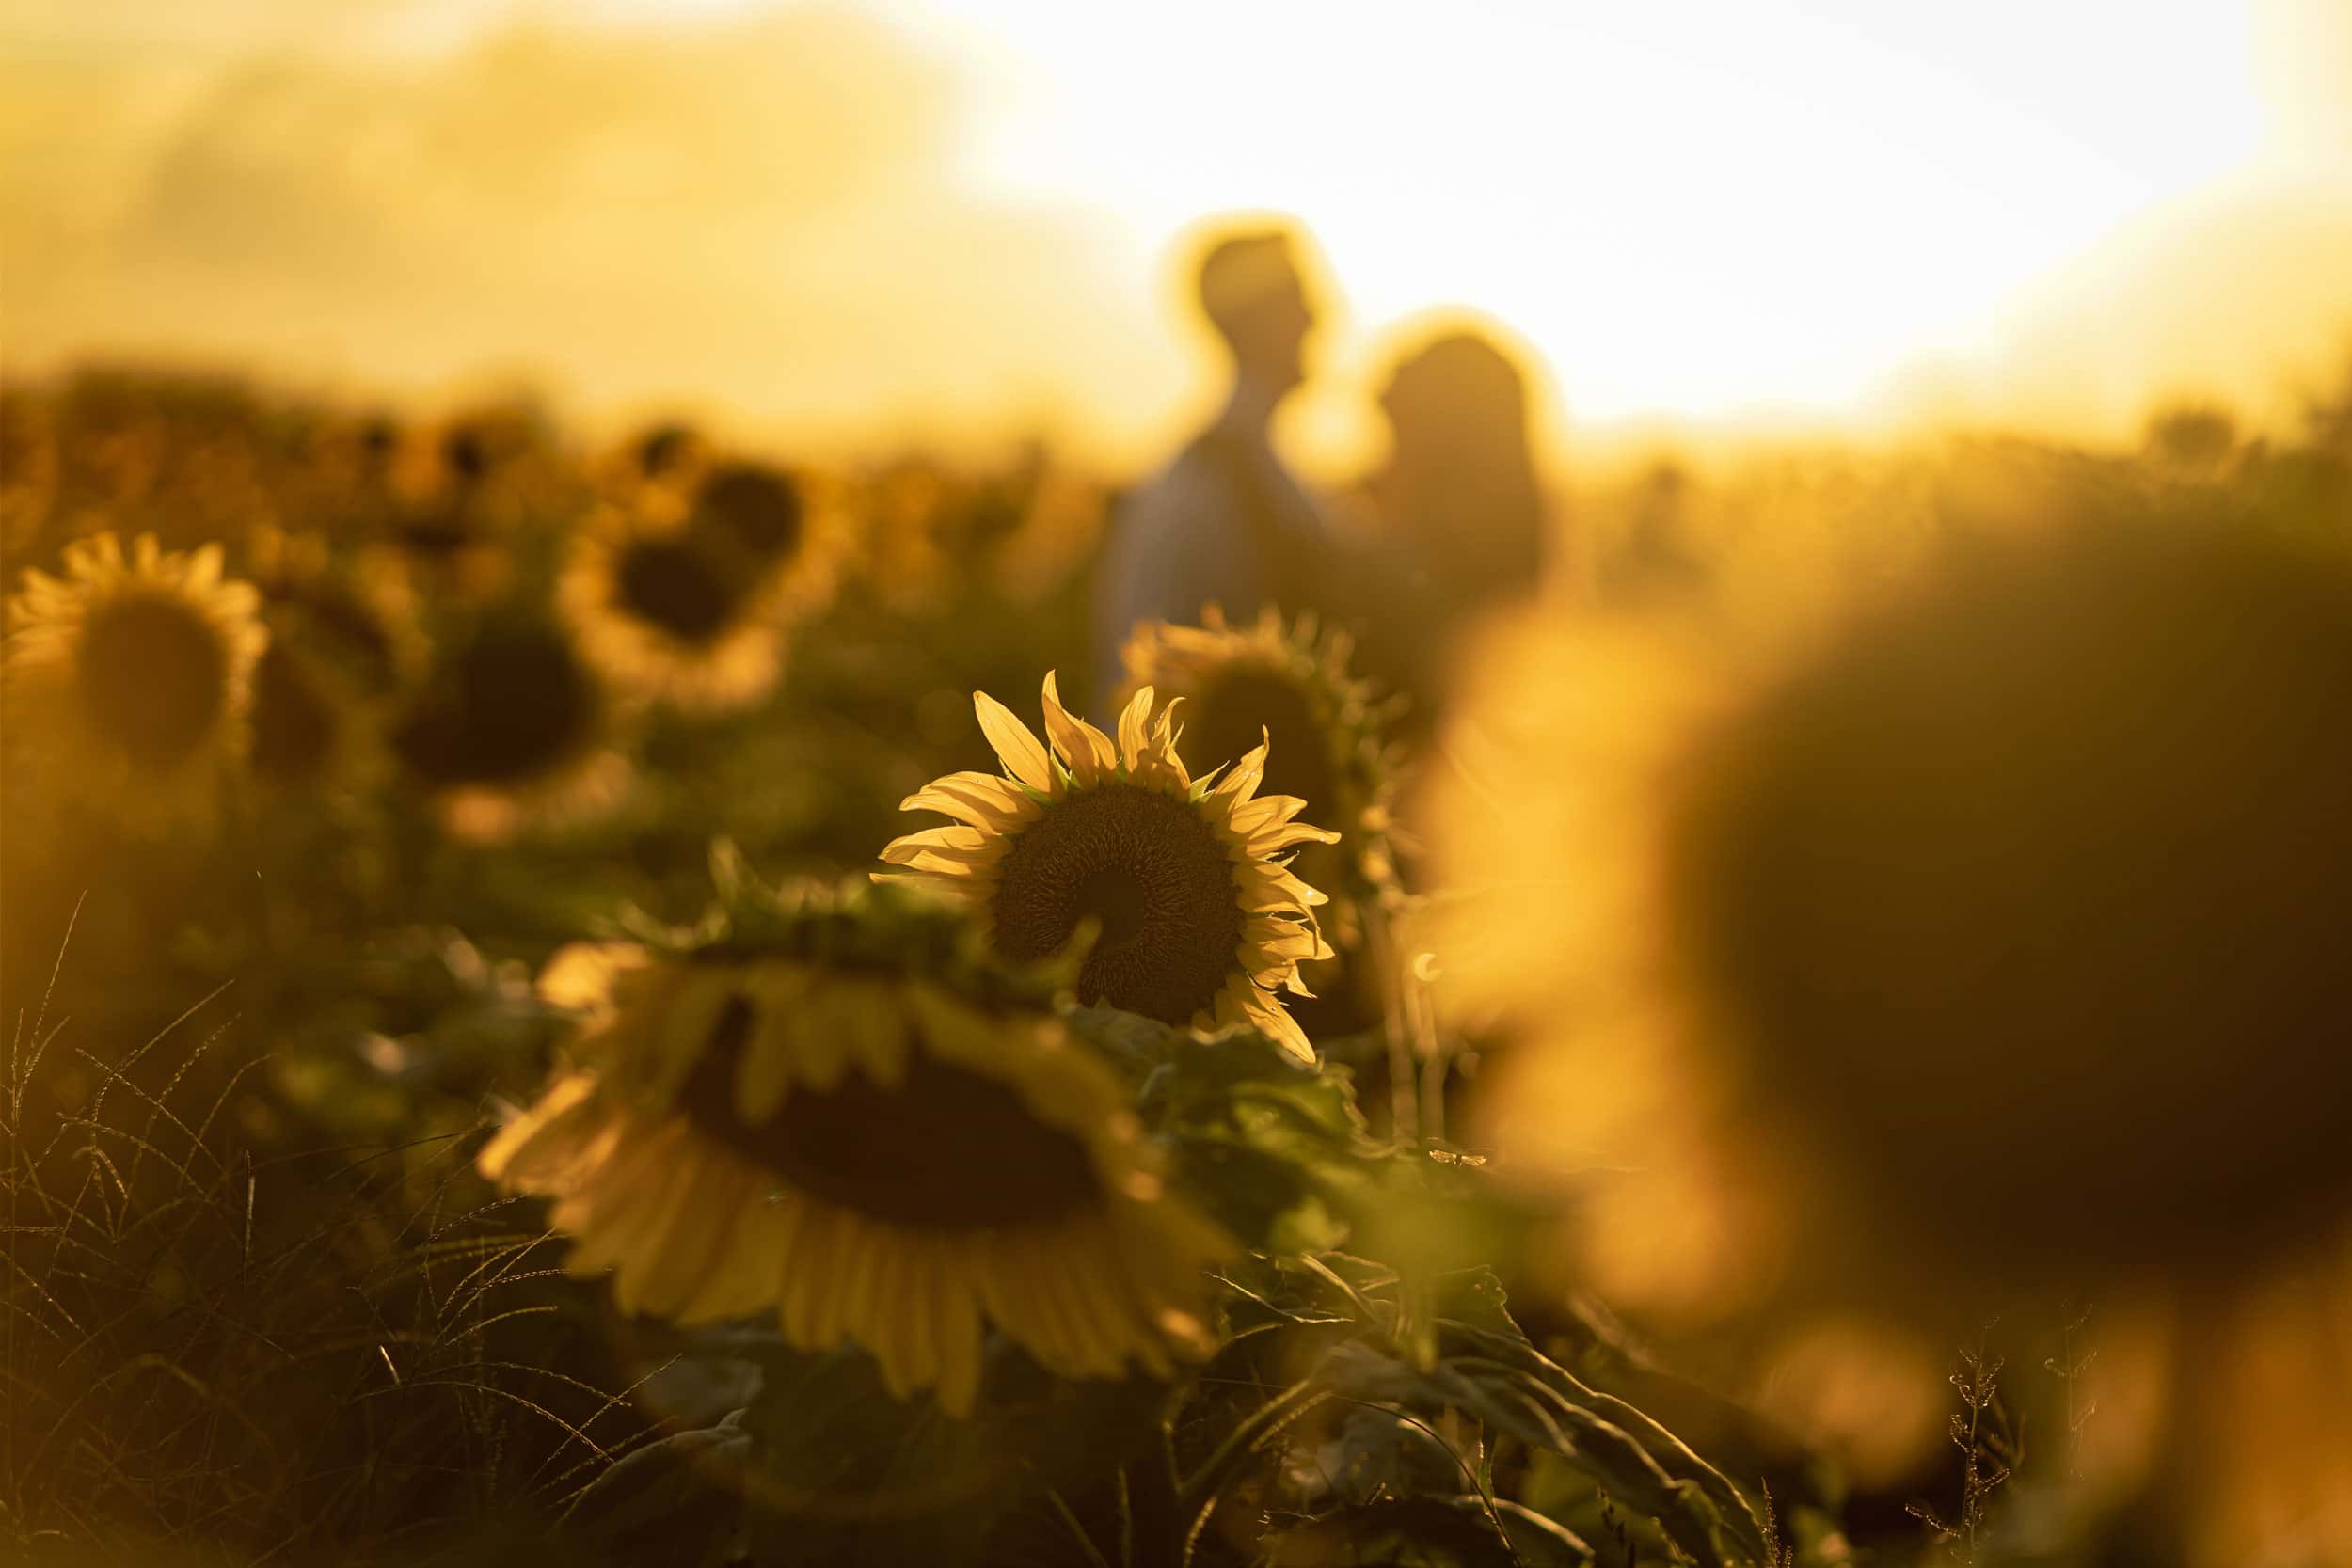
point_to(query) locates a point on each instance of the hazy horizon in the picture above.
(852, 225)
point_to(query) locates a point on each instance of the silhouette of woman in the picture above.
(1462, 513)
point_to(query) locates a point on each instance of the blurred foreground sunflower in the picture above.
(1289, 684)
(129, 679)
(663, 614)
(1200, 917)
(513, 729)
(1991, 943)
(880, 1151)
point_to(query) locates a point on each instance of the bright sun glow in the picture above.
(854, 222)
(1699, 205)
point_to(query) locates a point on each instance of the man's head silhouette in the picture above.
(1252, 293)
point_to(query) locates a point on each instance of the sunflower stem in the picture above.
(1404, 1091)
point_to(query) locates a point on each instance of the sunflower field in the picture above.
(645, 1004)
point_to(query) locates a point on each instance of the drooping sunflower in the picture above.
(1200, 918)
(665, 615)
(513, 727)
(129, 678)
(879, 1151)
(1984, 944)
(1289, 682)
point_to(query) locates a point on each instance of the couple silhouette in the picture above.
(1450, 527)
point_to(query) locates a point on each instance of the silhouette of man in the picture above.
(1224, 522)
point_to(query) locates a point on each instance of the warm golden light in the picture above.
(1695, 209)
(1675, 890)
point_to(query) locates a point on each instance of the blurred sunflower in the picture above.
(28, 467)
(667, 453)
(513, 728)
(907, 507)
(460, 502)
(314, 732)
(778, 523)
(360, 619)
(1283, 682)
(666, 615)
(129, 678)
(1991, 943)
(879, 1155)
(1200, 916)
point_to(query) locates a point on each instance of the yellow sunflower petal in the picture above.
(958, 1327)
(982, 801)
(947, 850)
(739, 1281)
(1084, 750)
(1134, 737)
(1273, 840)
(1242, 779)
(1024, 755)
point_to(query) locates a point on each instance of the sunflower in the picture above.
(315, 730)
(459, 503)
(1985, 944)
(663, 613)
(779, 526)
(877, 1155)
(1200, 918)
(28, 467)
(131, 677)
(669, 452)
(513, 727)
(351, 614)
(1285, 682)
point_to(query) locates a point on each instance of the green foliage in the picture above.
(255, 1305)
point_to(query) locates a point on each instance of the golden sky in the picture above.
(953, 217)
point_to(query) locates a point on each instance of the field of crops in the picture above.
(648, 1004)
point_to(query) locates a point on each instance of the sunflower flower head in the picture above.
(665, 612)
(353, 613)
(1198, 919)
(513, 725)
(1987, 941)
(778, 530)
(315, 731)
(1289, 682)
(131, 675)
(830, 1112)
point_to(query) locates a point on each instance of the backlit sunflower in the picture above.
(665, 615)
(130, 677)
(1200, 917)
(879, 1155)
(1985, 945)
(781, 526)
(513, 728)
(1292, 686)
